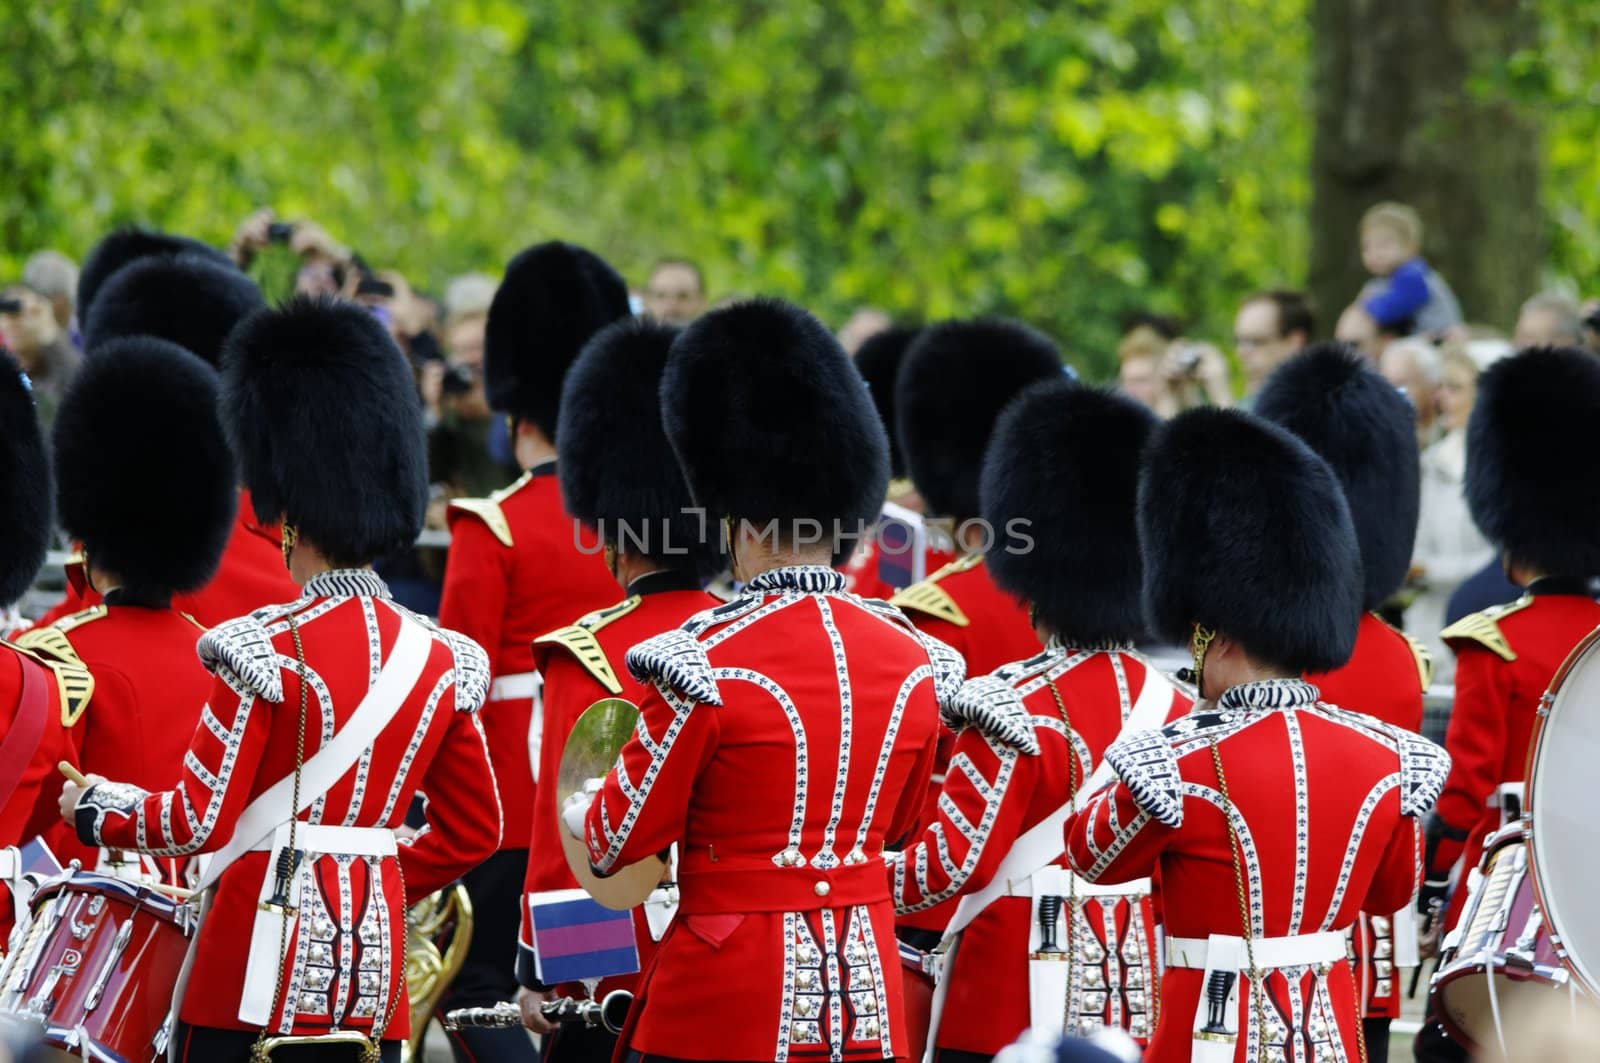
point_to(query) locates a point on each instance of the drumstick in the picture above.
(76, 776)
(73, 774)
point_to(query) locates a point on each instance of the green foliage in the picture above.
(1063, 163)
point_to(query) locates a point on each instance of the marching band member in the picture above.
(153, 285)
(1533, 410)
(878, 361)
(787, 734)
(327, 715)
(1271, 817)
(35, 693)
(145, 483)
(515, 571)
(619, 477)
(1062, 470)
(1365, 430)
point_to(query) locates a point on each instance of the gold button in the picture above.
(823, 889)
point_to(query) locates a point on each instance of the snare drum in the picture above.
(1502, 952)
(918, 993)
(98, 967)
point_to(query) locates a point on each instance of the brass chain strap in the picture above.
(1072, 880)
(1257, 992)
(258, 1051)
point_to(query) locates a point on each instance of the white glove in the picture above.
(575, 809)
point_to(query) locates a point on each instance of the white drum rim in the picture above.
(1586, 652)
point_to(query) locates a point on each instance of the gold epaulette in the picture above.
(51, 648)
(579, 640)
(1484, 628)
(929, 598)
(488, 509)
(1424, 661)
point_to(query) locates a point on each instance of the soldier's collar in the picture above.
(808, 579)
(547, 467)
(1060, 645)
(138, 598)
(663, 579)
(346, 583)
(1588, 586)
(1269, 694)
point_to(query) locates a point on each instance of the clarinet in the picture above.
(609, 1013)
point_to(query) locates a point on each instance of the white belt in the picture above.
(1028, 887)
(10, 863)
(515, 687)
(1302, 950)
(329, 839)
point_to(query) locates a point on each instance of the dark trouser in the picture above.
(489, 974)
(573, 1043)
(1376, 1034)
(207, 1044)
(1433, 1045)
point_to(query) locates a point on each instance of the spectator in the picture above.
(1270, 328)
(28, 328)
(1449, 546)
(1412, 365)
(1549, 319)
(458, 442)
(676, 293)
(1141, 364)
(1591, 325)
(864, 324)
(54, 276)
(1404, 288)
(325, 264)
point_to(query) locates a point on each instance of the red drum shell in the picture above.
(918, 993)
(94, 936)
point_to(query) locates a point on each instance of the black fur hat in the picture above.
(879, 363)
(144, 475)
(1246, 530)
(1065, 458)
(1365, 429)
(553, 298)
(618, 472)
(771, 421)
(325, 419)
(1531, 480)
(24, 483)
(955, 379)
(186, 299)
(121, 246)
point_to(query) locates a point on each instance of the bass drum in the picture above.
(1563, 834)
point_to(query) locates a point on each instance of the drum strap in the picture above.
(26, 731)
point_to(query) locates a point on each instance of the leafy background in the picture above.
(1061, 162)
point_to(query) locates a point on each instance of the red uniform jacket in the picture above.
(1325, 803)
(149, 686)
(344, 946)
(788, 734)
(1505, 659)
(1386, 677)
(1000, 787)
(250, 575)
(516, 571)
(582, 664)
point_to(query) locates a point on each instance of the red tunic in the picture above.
(31, 808)
(515, 571)
(582, 664)
(1386, 677)
(1505, 659)
(1324, 803)
(997, 790)
(250, 575)
(149, 686)
(344, 946)
(787, 735)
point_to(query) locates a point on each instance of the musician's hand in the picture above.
(528, 1001)
(1430, 927)
(575, 811)
(70, 792)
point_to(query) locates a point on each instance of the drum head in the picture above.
(591, 750)
(1563, 833)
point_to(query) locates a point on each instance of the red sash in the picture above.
(27, 730)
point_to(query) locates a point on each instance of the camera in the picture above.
(280, 232)
(10, 306)
(458, 380)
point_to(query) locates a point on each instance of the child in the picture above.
(1403, 287)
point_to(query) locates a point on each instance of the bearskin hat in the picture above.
(879, 360)
(144, 476)
(1531, 484)
(187, 299)
(1246, 530)
(120, 247)
(24, 483)
(554, 297)
(1365, 429)
(324, 416)
(1065, 458)
(770, 421)
(954, 381)
(618, 472)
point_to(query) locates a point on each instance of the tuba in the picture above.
(438, 931)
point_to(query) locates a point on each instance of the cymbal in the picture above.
(591, 751)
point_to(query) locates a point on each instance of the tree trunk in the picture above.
(1398, 117)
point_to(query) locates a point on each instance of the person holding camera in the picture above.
(324, 262)
(29, 329)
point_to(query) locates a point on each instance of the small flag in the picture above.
(575, 937)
